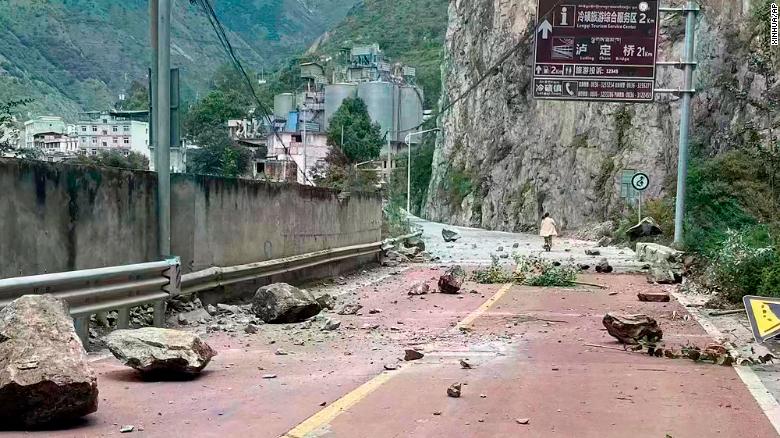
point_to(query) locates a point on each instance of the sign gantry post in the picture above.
(606, 50)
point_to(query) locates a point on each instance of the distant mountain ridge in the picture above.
(71, 55)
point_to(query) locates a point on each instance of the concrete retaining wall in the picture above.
(57, 218)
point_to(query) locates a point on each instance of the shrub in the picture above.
(532, 271)
(744, 264)
(770, 281)
(493, 274)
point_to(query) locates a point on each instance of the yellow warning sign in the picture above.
(764, 316)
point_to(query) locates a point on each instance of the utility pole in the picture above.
(688, 64)
(163, 125)
(153, 8)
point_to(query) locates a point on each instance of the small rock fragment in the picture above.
(419, 289)
(464, 364)
(522, 420)
(280, 352)
(269, 376)
(654, 297)
(250, 329)
(604, 267)
(412, 355)
(454, 390)
(349, 309)
(449, 235)
(331, 324)
(391, 366)
(126, 428)
(592, 252)
(374, 311)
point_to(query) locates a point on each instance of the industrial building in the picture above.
(389, 91)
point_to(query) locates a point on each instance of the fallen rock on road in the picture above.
(282, 303)
(631, 329)
(604, 267)
(410, 355)
(159, 350)
(449, 235)
(45, 376)
(454, 390)
(419, 289)
(654, 297)
(452, 280)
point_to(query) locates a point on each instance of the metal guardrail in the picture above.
(216, 277)
(92, 291)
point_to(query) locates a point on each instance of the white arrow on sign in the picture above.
(538, 69)
(545, 28)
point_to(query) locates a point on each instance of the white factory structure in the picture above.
(389, 91)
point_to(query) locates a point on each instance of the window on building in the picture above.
(126, 140)
(94, 140)
(94, 151)
(297, 138)
(115, 128)
(94, 129)
(260, 168)
(83, 129)
(126, 128)
(105, 144)
(105, 120)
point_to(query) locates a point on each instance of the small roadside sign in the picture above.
(640, 182)
(764, 316)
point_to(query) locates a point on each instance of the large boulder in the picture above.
(282, 303)
(45, 376)
(646, 228)
(632, 329)
(449, 235)
(452, 280)
(159, 350)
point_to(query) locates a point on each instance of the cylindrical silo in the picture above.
(411, 112)
(334, 96)
(283, 104)
(380, 100)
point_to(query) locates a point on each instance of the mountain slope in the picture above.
(410, 31)
(80, 54)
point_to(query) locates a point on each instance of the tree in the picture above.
(362, 138)
(212, 112)
(218, 155)
(137, 98)
(9, 135)
(132, 161)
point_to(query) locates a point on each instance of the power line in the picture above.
(228, 47)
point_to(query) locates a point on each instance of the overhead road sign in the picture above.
(602, 50)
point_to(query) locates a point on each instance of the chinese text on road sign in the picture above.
(764, 316)
(596, 50)
(640, 181)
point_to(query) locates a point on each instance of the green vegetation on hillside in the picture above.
(408, 31)
(73, 55)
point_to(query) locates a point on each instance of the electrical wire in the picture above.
(219, 29)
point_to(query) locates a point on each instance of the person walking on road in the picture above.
(548, 230)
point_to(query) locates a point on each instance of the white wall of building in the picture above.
(39, 125)
(316, 150)
(104, 132)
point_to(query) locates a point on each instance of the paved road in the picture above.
(535, 355)
(476, 246)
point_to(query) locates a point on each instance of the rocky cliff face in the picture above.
(504, 158)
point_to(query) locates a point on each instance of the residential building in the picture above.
(289, 146)
(38, 125)
(103, 131)
(56, 144)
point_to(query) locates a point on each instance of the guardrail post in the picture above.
(159, 313)
(123, 319)
(81, 324)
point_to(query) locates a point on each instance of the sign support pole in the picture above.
(640, 207)
(685, 117)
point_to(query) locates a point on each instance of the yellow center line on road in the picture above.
(328, 414)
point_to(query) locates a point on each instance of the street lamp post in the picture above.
(409, 166)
